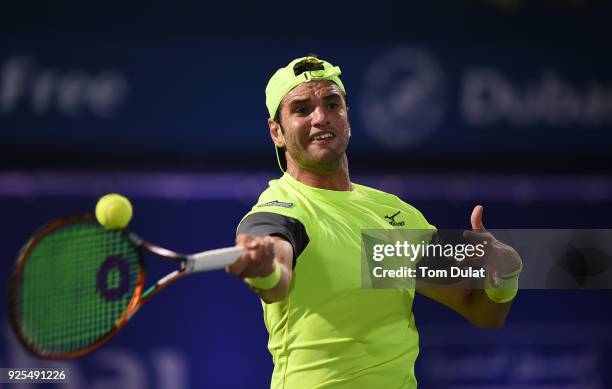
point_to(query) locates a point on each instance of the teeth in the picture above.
(323, 136)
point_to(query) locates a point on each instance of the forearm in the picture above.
(473, 304)
(482, 312)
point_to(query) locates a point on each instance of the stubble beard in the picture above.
(325, 166)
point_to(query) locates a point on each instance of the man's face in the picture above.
(315, 123)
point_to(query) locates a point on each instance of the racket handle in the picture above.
(213, 259)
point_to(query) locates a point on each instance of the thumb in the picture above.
(476, 218)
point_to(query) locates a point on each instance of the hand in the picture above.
(257, 261)
(499, 258)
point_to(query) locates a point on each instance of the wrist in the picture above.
(267, 282)
(506, 289)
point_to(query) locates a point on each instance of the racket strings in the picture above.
(76, 284)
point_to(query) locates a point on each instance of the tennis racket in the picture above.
(76, 284)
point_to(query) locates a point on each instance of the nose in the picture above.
(319, 116)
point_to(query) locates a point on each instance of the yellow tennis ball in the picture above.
(113, 211)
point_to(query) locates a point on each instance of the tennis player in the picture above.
(304, 258)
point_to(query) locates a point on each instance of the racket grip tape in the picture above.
(213, 259)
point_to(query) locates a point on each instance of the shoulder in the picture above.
(282, 199)
(278, 194)
(279, 211)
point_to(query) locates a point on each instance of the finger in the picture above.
(243, 239)
(264, 251)
(255, 243)
(270, 252)
(241, 263)
(236, 268)
(476, 218)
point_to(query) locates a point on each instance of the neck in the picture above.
(334, 179)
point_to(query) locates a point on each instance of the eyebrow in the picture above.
(331, 96)
(298, 101)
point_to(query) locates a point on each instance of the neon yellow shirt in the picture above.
(329, 332)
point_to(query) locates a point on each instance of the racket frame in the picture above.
(139, 296)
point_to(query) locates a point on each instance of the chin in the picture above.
(325, 164)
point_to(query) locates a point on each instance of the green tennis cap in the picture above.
(298, 71)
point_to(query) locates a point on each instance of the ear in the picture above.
(276, 133)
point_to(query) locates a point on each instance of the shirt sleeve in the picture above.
(268, 223)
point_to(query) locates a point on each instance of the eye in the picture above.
(301, 110)
(333, 106)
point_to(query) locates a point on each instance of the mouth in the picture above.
(322, 137)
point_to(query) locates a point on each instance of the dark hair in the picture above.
(307, 65)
